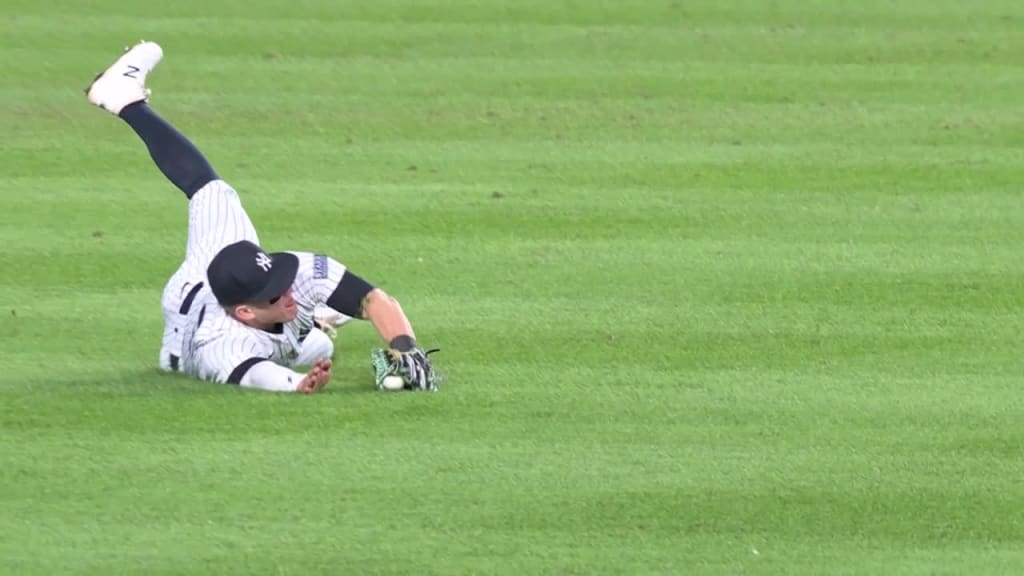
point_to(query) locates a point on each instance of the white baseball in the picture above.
(393, 383)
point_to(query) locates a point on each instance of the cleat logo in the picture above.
(132, 71)
(263, 261)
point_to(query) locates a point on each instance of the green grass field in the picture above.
(721, 288)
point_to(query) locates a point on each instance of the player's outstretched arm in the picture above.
(386, 315)
(331, 284)
(267, 375)
(357, 298)
(403, 357)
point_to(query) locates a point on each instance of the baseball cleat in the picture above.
(124, 82)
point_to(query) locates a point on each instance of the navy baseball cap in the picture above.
(243, 273)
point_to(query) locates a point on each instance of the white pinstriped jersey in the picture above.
(214, 343)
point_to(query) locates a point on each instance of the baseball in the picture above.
(393, 383)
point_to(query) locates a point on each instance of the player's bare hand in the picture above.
(316, 378)
(325, 367)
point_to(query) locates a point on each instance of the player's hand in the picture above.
(316, 378)
(418, 371)
(413, 366)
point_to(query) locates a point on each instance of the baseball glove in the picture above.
(413, 367)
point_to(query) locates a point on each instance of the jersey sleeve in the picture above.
(317, 278)
(227, 359)
(266, 375)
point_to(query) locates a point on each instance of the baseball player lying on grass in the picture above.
(234, 313)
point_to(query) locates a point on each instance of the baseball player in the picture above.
(233, 312)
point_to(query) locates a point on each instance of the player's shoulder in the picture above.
(316, 266)
(308, 259)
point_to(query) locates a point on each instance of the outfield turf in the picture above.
(721, 288)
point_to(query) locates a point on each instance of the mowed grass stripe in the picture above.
(759, 40)
(720, 289)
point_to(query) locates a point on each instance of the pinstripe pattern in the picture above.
(213, 347)
(216, 218)
(315, 282)
(208, 341)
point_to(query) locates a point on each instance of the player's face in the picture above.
(279, 310)
(284, 306)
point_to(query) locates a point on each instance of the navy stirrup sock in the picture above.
(179, 160)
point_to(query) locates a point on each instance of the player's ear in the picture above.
(243, 313)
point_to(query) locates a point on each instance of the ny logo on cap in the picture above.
(263, 261)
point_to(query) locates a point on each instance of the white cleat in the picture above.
(124, 82)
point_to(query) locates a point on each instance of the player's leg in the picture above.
(174, 154)
(121, 90)
(175, 302)
(216, 219)
(216, 216)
